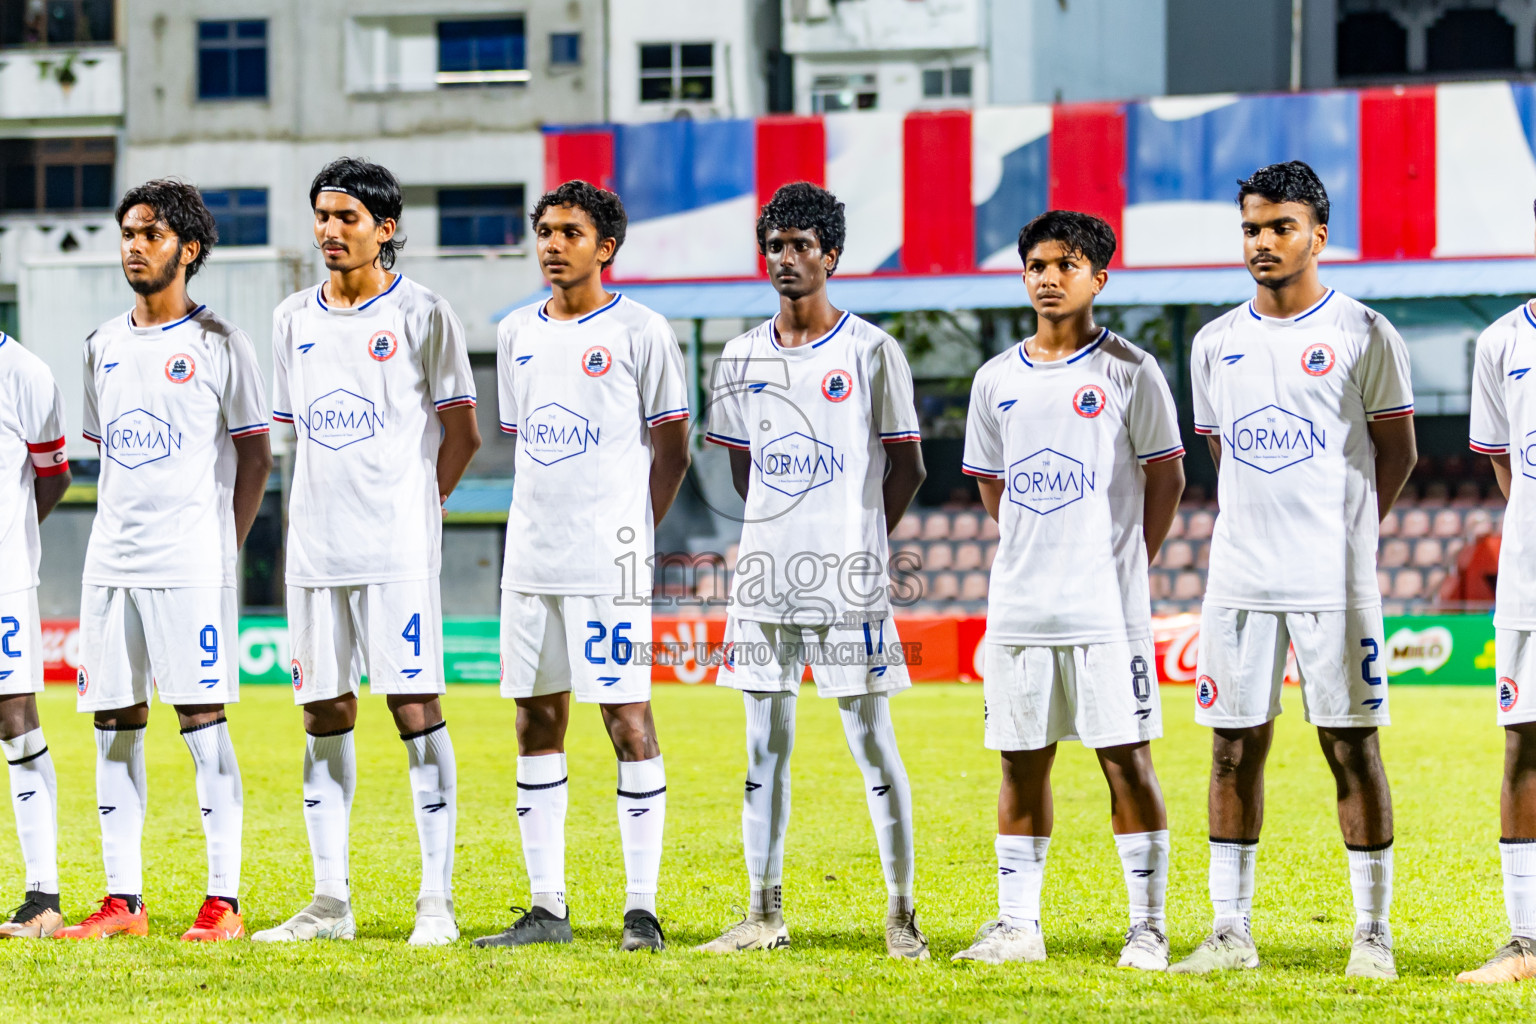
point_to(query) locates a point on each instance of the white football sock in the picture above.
(1370, 876)
(543, 792)
(121, 796)
(872, 741)
(434, 788)
(642, 816)
(1519, 858)
(1020, 876)
(330, 779)
(34, 797)
(222, 802)
(765, 807)
(1231, 882)
(1144, 861)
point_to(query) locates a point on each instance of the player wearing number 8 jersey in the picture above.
(372, 371)
(1073, 437)
(592, 385)
(1305, 399)
(174, 400)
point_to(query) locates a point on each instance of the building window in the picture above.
(939, 83)
(55, 22)
(480, 217)
(677, 71)
(485, 52)
(240, 213)
(1370, 43)
(1470, 40)
(832, 93)
(564, 49)
(56, 175)
(231, 60)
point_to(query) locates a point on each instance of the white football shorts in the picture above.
(21, 643)
(182, 643)
(1340, 656)
(1104, 694)
(390, 632)
(845, 661)
(1514, 662)
(564, 643)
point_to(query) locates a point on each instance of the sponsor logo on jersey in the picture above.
(1048, 481)
(1089, 401)
(341, 418)
(837, 385)
(1425, 649)
(1509, 693)
(382, 345)
(297, 671)
(1229, 360)
(1205, 691)
(596, 361)
(1317, 359)
(139, 437)
(82, 680)
(797, 463)
(1271, 439)
(180, 368)
(1520, 373)
(552, 433)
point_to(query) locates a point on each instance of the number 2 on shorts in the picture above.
(1373, 651)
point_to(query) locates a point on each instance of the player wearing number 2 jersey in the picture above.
(1305, 398)
(174, 400)
(372, 371)
(1074, 440)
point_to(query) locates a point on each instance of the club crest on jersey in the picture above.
(1205, 691)
(180, 368)
(1509, 693)
(596, 361)
(382, 345)
(297, 671)
(837, 385)
(1089, 401)
(1317, 360)
(82, 680)
(728, 659)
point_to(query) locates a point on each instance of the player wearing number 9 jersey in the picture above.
(1073, 437)
(592, 385)
(1305, 399)
(174, 400)
(372, 371)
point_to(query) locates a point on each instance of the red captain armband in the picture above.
(48, 459)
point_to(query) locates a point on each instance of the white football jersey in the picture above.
(164, 404)
(815, 418)
(363, 387)
(31, 445)
(1504, 423)
(1290, 400)
(1068, 439)
(581, 395)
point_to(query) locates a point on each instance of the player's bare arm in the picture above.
(903, 476)
(991, 495)
(669, 464)
(1501, 472)
(49, 491)
(253, 464)
(1213, 442)
(1396, 454)
(461, 439)
(741, 471)
(1165, 485)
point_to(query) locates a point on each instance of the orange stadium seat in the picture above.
(1407, 584)
(988, 529)
(1394, 554)
(936, 526)
(1188, 586)
(1415, 524)
(974, 587)
(967, 557)
(1390, 524)
(1200, 526)
(1159, 586)
(1428, 552)
(908, 528)
(940, 556)
(945, 586)
(1447, 523)
(1383, 582)
(989, 556)
(966, 526)
(1176, 528)
(1176, 554)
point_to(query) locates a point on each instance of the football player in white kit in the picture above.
(1503, 427)
(592, 385)
(815, 407)
(372, 370)
(1074, 440)
(174, 400)
(1305, 399)
(34, 474)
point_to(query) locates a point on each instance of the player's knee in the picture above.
(1520, 749)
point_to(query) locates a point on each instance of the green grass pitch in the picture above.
(1443, 756)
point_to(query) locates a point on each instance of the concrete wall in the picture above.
(733, 26)
(1226, 46)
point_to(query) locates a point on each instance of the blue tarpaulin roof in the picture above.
(896, 293)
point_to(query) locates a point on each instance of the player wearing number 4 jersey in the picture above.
(1305, 399)
(815, 406)
(372, 371)
(173, 399)
(1074, 440)
(592, 385)
(33, 477)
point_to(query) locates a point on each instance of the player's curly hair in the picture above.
(370, 184)
(1077, 232)
(805, 207)
(1292, 182)
(180, 206)
(605, 208)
